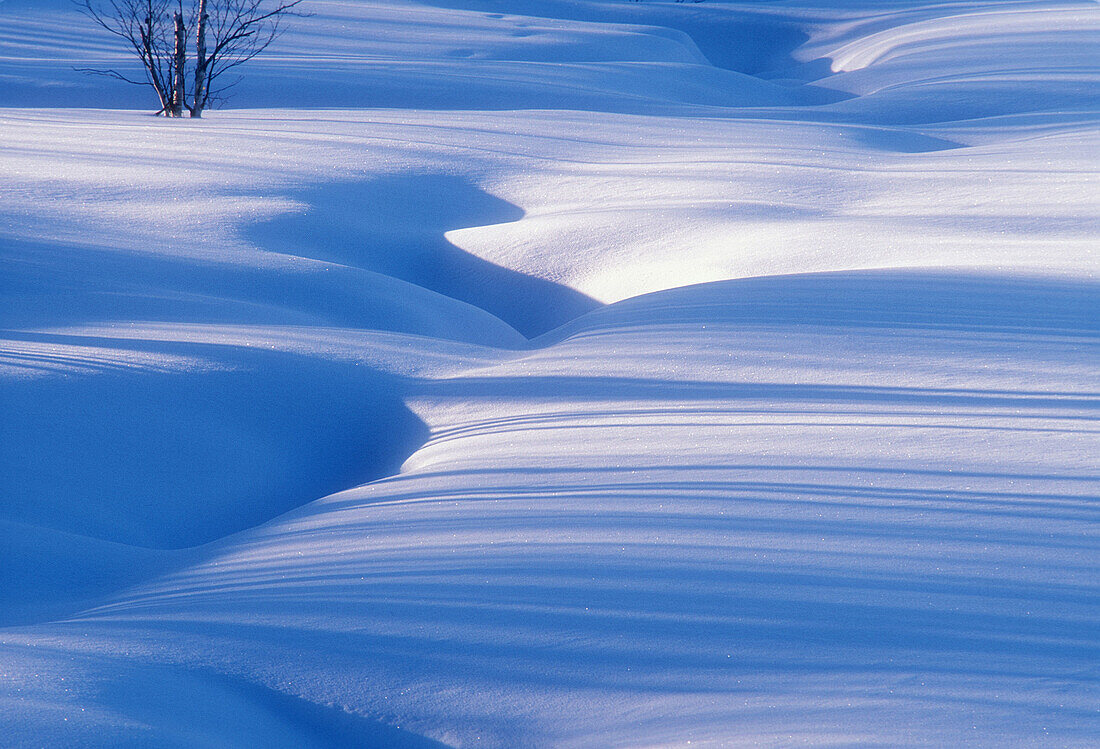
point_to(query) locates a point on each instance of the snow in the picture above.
(557, 373)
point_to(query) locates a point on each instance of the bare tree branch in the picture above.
(227, 34)
(112, 74)
(240, 30)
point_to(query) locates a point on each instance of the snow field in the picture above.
(586, 374)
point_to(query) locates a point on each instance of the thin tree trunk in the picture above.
(149, 59)
(179, 65)
(198, 98)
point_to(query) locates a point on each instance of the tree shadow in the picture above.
(844, 582)
(397, 226)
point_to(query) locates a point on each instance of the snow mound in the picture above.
(688, 508)
(570, 373)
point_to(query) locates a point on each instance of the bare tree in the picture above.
(143, 24)
(228, 33)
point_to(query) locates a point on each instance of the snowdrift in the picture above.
(569, 373)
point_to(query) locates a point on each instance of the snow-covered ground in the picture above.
(557, 373)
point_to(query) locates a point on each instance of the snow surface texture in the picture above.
(557, 373)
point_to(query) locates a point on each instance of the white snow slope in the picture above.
(557, 373)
